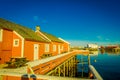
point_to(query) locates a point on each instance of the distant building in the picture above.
(92, 46)
(112, 46)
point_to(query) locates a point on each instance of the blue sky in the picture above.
(78, 21)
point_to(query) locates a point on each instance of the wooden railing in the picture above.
(51, 63)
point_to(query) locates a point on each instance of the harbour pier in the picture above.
(58, 67)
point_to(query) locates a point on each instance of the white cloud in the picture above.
(35, 18)
(79, 42)
(99, 37)
(85, 42)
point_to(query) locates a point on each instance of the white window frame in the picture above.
(47, 47)
(1, 35)
(59, 49)
(62, 47)
(14, 42)
(54, 47)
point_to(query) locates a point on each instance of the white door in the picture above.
(58, 49)
(36, 51)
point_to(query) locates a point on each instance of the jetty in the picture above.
(58, 67)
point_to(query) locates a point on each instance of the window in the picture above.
(0, 34)
(62, 47)
(54, 47)
(46, 47)
(16, 42)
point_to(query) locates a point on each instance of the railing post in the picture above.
(64, 69)
(55, 71)
(72, 66)
(67, 67)
(88, 59)
(75, 65)
(59, 72)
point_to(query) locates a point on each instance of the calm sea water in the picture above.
(107, 64)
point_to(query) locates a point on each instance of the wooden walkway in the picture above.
(42, 66)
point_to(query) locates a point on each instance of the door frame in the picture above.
(36, 51)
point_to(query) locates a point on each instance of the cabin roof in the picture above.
(52, 37)
(25, 32)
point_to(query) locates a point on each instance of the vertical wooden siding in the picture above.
(6, 46)
(7, 40)
(66, 47)
(16, 50)
(51, 48)
(29, 49)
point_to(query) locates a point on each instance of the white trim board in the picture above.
(22, 47)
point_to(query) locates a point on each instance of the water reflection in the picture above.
(102, 51)
(110, 52)
(108, 63)
(93, 53)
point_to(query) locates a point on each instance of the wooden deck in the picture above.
(44, 65)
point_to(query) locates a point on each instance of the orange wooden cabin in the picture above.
(20, 41)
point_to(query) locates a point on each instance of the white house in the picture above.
(92, 46)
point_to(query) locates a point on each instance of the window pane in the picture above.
(46, 47)
(54, 47)
(16, 42)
